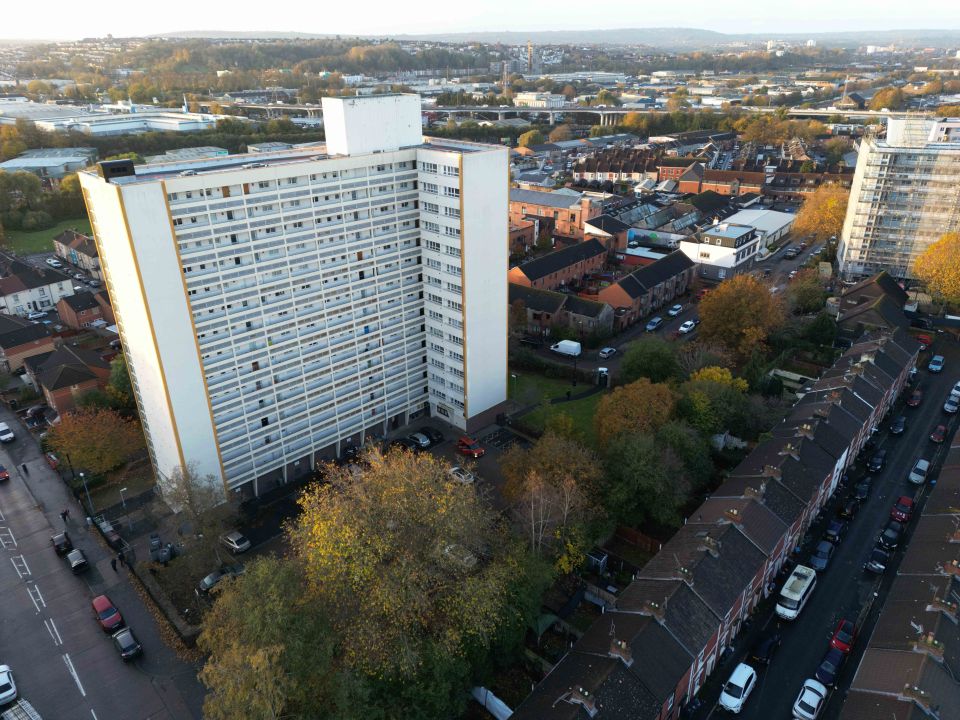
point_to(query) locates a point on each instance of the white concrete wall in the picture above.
(485, 190)
(357, 125)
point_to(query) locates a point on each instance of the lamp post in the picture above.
(123, 502)
(83, 479)
(513, 376)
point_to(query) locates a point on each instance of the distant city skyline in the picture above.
(63, 20)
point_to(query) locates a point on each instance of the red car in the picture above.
(468, 446)
(844, 636)
(107, 614)
(939, 434)
(902, 509)
(4, 473)
(915, 398)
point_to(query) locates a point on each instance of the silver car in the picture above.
(235, 542)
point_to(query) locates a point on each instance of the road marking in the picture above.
(37, 598)
(76, 678)
(94, 714)
(5, 531)
(2, 517)
(54, 633)
(20, 565)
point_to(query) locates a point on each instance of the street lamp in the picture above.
(123, 502)
(513, 376)
(83, 479)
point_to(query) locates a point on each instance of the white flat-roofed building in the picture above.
(905, 194)
(539, 100)
(278, 307)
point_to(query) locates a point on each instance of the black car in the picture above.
(877, 562)
(835, 531)
(77, 561)
(862, 490)
(898, 425)
(765, 648)
(849, 509)
(877, 461)
(830, 666)
(61, 543)
(205, 586)
(434, 435)
(127, 644)
(890, 537)
(405, 444)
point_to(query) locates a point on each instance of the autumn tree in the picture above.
(650, 357)
(96, 439)
(531, 137)
(938, 267)
(890, 98)
(739, 314)
(713, 400)
(639, 407)
(559, 133)
(822, 213)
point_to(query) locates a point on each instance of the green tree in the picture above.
(119, 387)
(644, 483)
(531, 137)
(806, 293)
(653, 358)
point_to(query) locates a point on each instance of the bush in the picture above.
(36, 220)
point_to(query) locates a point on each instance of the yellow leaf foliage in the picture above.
(822, 213)
(939, 268)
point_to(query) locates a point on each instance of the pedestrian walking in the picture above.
(66, 514)
(113, 564)
(24, 468)
(63, 516)
(121, 559)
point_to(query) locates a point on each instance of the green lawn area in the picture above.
(580, 411)
(39, 241)
(529, 388)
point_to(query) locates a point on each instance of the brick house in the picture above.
(566, 266)
(20, 339)
(648, 288)
(608, 230)
(79, 311)
(78, 250)
(567, 210)
(546, 310)
(66, 375)
(106, 309)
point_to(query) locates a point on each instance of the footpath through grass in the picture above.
(23, 242)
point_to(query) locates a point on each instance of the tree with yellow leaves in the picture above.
(640, 407)
(939, 268)
(822, 213)
(721, 376)
(739, 314)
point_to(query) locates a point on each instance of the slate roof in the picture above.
(581, 306)
(608, 224)
(560, 259)
(561, 201)
(77, 241)
(537, 300)
(647, 277)
(67, 366)
(756, 521)
(81, 301)
(709, 201)
(16, 331)
(17, 276)
(685, 615)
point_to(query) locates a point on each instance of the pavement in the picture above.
(844, 590)
(63, 663)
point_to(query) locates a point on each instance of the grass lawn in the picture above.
(530, 388)
(134, 480)
(580, 411)
(40, 241)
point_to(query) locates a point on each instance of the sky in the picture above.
(69, 19)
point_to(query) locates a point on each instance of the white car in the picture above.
(235, 542)
(675, 310)
(918, 475)
(462, 475)
(955, 390)
(687, 327)
(810, 700)
(6, 434)
(54, 263)
(738, 688)
(36, 316)
(952, 405)
(8, 688)
(607, 352)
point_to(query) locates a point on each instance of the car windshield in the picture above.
(844, 637)
(5, 687)
(828, 666)
(902, 507)
(789, 604)
(108, 613)
(733, 690)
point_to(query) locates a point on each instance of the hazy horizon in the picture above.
(62, 20)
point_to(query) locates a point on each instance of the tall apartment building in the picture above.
(277, 307)
(905, 195)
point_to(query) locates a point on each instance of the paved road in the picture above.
(63, 663)
(844, 590)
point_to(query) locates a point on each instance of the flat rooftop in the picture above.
(727, 230)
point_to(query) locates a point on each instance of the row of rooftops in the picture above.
(634, 657)
(17, 276)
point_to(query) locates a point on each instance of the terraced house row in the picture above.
(655, 647)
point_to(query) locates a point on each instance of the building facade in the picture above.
(298, 302)
(905, 195)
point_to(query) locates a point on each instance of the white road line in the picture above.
(54, 633)
(20, 565)
(59, 640)
(94, 714)
(11, 539)
(76, 678)
(2, 517)
(37, 598)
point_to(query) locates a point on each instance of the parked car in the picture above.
(862, 490)
(916, 397)
(936, 363)
(53, 262)
(821, 555)
(844, 636)
(436, 437)
(830, 666)
(810, 701)
(462, 475)
(925, 341)
(422, 441)
(955, 390)
(127, 644)
(902, 509)
(687, 327)
(654, 323)
(675, 310)
(4, 473)
(738, 688)
(405, 443)
(877, 461)
(77, 561)
(918, 476)
(235, 541)
(607, 352)
(939, 434)
(765, 648)
(848, 510)
(835, 531)
(107, 614)
(205, 586)
(36, 316)
(79, 276)
(110, 534)
(877, 562)
(951, 406)
(898, 425)
(8, 688)
(890, 537)
(466, 445)
(6, 434)
(61, 543)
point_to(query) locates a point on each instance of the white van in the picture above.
(6, 434)
(796, 591)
